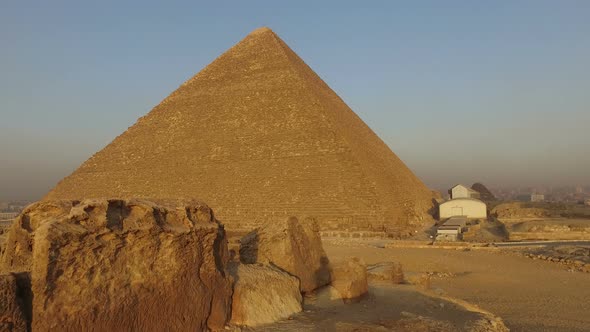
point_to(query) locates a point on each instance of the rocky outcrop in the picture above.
(572, 257)
(263, 295)
(18, 250)
(293, 246)
(349, 278)
(486, 231)
(519, 210)
(114, 264)
(12, 317)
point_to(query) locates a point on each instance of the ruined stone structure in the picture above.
(258, 136)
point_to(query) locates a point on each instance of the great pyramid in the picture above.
(258, 135)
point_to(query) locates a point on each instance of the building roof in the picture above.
(464, 186)
(456, 221)
(463, 199)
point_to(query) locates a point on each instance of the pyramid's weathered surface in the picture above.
(258, 135)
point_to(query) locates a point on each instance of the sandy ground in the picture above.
(387, 307)
(529, 295)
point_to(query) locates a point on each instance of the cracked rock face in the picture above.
(292, 245)
(110, 264)
(12, 317)
(263, 295)
(349, 278)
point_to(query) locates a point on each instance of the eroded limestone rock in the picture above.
(125, 265)
(19, 242)
(292, 245)
(386, 271)
(12, 318)
(349, 278)
(263, 295)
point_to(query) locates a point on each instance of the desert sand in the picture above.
(385, 308)
(529, 295)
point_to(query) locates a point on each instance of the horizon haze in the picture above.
(465, 93)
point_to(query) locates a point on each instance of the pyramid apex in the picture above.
(261, 30)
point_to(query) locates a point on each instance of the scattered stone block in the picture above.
(349, 278)
(419, 279)
(293, 246)
(263, 295)
(387, 271)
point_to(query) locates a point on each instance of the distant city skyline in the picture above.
(462, 92)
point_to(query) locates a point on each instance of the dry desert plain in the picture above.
(529, 295)
(465, 280)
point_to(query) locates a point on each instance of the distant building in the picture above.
(464, 205)
(470, 208)
(461, 191)
(537, 197)
(8, 215)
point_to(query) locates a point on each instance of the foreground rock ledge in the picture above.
(123, 265)
(294, 246)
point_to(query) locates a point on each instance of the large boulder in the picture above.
(263, 295)
(12, 318)
(349, 278)
(124, 265)
(291, 245)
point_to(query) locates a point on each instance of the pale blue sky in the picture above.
(462, 91)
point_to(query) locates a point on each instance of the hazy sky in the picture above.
(462, 91)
